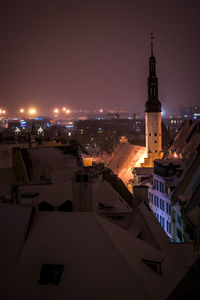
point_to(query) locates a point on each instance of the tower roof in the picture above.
(153, 104)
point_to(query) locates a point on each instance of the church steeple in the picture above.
(153, 104)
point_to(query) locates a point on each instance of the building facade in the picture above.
(160, 193)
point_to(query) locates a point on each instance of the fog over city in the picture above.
(86, 54)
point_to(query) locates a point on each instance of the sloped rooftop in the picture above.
(124, 159)
(189, 287)
(187, 140)
(100, 260)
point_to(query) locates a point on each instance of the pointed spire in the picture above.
(153, 104)
(152, 38)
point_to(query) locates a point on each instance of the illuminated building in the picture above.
(174, 192)
(153, 128)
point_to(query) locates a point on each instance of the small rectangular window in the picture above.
(155, 203)
(160, 186)
(170, 227)
(50, 274)
(163, 225)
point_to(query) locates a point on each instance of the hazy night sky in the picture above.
(92, 54)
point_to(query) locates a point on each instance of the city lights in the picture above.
(2, 111)
(64, 108)
(175, 155)
(21, 110)
(32, 111)
(56, 110)
(67, 111)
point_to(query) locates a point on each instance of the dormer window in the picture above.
(153, 265)
(50, 274)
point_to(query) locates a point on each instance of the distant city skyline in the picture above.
(94, 54)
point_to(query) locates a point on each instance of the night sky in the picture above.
(93, 54)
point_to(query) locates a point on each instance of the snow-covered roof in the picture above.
(7, 180)
(187, 139)
(143, 171)
(148, 227)
(188, 182)
(168, 161)
(100, 260)
(6, 155)
(58, 193)
(188, 287)
(54, 162)
(124, 159)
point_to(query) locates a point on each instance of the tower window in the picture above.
(155, 142)
(155, 133)
(149, 134)
(155, 151)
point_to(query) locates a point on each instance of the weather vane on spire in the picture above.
(152, 38)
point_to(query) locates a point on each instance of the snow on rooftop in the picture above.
(124, 159)
(100, 260)
(187, 139)
(143, 171)
(6, 155)
(7, 179)
(53, 160)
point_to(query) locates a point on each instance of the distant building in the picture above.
(190, 112)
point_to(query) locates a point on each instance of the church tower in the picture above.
(153, 125)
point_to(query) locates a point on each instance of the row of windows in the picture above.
(160, 203)
(162, 222)
(159, 185)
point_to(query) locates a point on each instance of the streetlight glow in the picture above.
(56, 110)
(32, 111)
